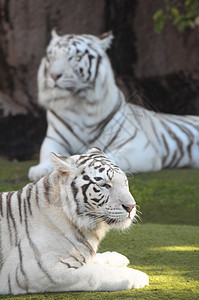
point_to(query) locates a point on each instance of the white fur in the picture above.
(145, 141)
(53, 247)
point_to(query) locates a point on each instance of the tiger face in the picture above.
(100, 191)
(72, 62)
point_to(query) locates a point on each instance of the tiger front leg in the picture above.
(40, 170)
(114, 259)
(46, 166)
(97, 277)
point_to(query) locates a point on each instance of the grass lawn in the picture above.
(165, 244)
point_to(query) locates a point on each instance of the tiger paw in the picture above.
(139, 279)
(114, 259)
(36, 172)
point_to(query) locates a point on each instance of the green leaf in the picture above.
(181, 25)
(167, 5)
(159, 25)
(157, 14)
(187, 3)
(175, 12)
(178, 19)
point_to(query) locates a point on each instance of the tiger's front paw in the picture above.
(139, 279)
(36, 172)
(114, 259)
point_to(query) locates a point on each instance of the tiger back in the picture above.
(50, 229)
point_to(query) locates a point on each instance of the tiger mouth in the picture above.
(111, 221)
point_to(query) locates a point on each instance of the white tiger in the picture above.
(50, 230)
(85, 108)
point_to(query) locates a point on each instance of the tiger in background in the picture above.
(50, 229)
(85, 108)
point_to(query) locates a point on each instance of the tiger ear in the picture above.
(54, 34)
(95, 150)
(61, 163)
(106, 40)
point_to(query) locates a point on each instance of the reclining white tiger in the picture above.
(85, 108)
(50, 230)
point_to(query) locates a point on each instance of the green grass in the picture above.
(165, 244)
(168, 197)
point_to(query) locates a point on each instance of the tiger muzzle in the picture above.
(129, 208)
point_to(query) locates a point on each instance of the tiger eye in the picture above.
(106, 185)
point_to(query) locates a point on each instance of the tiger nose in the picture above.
(128, 208)
(55, 76)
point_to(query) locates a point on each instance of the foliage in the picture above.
(167, 250)
(181, 13)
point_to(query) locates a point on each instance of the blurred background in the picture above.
(159, 71)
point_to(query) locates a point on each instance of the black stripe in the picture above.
(97, 199)
(10, 219)
(84, 189)
(97, 155)
(81, 239)
(68, 127)
(113, 138)
(34, 248)
(46, 187)
(102, 124)
(96, 190)
(171, 163)
(68, 265)
(84, 161)
(97, 66)
(75, 192)
(167, 149)
(90, 58)
(187, 132)
(86, 177)
(60, 135)
(1, 204)
(61, 144)
(1, 251)
(148, 143)
(110, 173)
(154, 130)
(97, 178)
(19, 194)
(177, 140)
(99, 166)
(83, 55)
(75, 258)
(9, 285)
(21, 267)
(128, 140)
(28, 197)
(17, 279)
(37, 195)
(101, 204)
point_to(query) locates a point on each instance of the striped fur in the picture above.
(85, 108)
(50, 229)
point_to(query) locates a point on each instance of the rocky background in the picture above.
(158, 71)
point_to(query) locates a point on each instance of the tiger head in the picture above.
(97, 191)
(73, 64)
